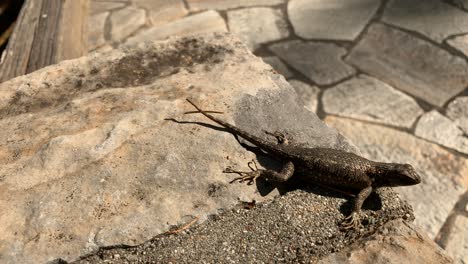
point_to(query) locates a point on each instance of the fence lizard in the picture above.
(325, 166)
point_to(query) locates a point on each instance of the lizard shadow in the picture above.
(264, 187)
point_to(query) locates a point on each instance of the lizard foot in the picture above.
(351, 222)
(280, 137)
(249, 176)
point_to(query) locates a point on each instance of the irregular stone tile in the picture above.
(100, 7)
(437, 128)
(457, 244)
(367, 98)
(457, 110)
(278, 65)
(96, 25)
(460, 43)
(197, 5)
(126, 21)
(246, 24)
(307, 93)
(162, 11)
(330, 19)
(433, 18)
(444, 175)
(395, 242)
(410, 64)
(320, 62)
(206, 22)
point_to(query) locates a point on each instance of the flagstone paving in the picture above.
(320, 62)
(367, 98)
(391, 75)
(330, 19)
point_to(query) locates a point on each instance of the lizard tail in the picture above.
(259, 142)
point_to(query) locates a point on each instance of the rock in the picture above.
(96, 25)
(444, 175)
(246, 24)
(457, 110)
(97, 7)
(395, 242)
(320, 62)
(278, 65)
(162, 11)
(330, 19)
(197, 5)
(457, 244)
(433, 18)
(369, 99)
(290, 229)
(410, 64)
(437, 128)
(126, 21)
(460, 43)
(307, 93)
(88, 158)
(206, 22)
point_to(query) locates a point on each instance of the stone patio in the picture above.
(391, 75)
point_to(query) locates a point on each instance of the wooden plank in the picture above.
(46, 32)
(73, 35)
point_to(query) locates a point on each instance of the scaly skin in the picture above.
(325, 166)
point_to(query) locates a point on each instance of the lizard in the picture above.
(324, 166)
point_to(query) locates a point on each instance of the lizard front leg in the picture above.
(286, 172)
(353, 220)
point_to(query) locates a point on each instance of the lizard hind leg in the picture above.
(249, 176)
(280, 137)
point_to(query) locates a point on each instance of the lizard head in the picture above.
(399, 175)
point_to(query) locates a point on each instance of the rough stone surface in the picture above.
(433, 18)
(278, 65)
(307, 93)
(457, 245)
(367, 98)
(457, 110)
(410, 64)
(444, 175)
(126, 21)
(287, 230)
(96, 25)
(97, 7)
(206, 22)
(330, 19)
(320, 62)
(89, 159)
(246, 24)
(460, 43)
(437, 128)
(196, 5)
(396, 242)
(163, 11)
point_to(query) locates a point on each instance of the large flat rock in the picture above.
(330, 19)
(410, 64)
(88, 159)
